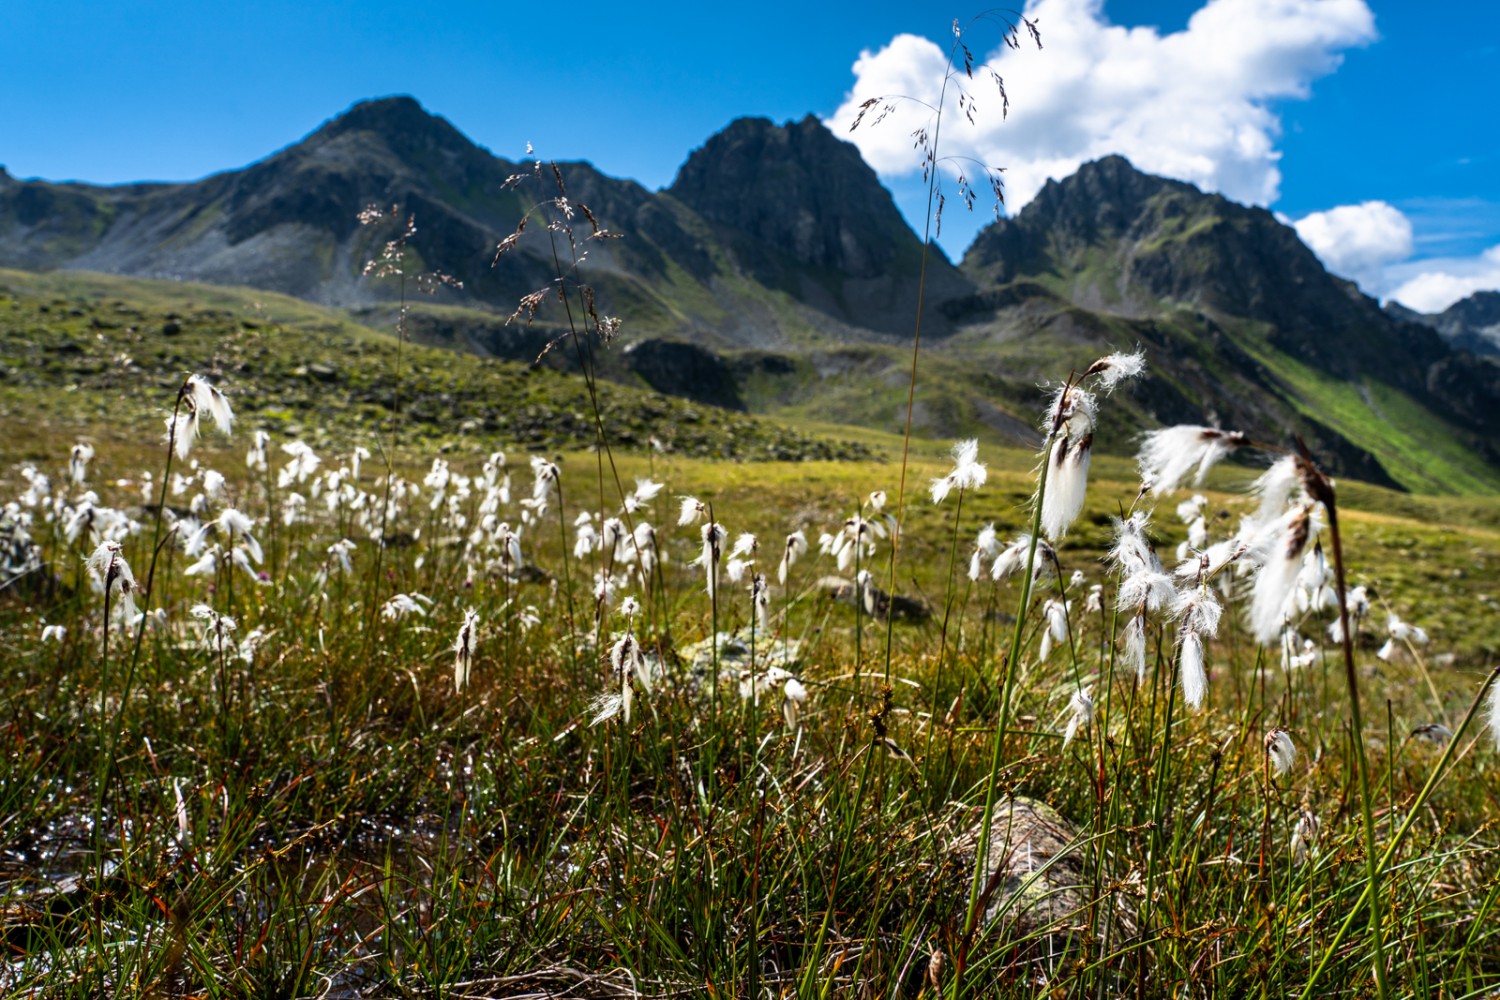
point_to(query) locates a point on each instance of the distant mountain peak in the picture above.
(1471, 324)
(401, 123)
(801, 191)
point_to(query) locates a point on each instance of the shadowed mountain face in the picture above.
(776, 273)
(1471, 324)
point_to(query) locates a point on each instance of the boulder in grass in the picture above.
(877, 603)
(1039, 886)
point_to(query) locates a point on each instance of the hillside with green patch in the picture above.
(89, 351)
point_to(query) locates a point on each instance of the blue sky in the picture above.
(1369, 122)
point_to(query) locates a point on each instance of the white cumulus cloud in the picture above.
(1358, 241)
(1440, 282)
(1192, 104)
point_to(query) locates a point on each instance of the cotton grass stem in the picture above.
(1320, 485)
(981, 861)
(1369, 893)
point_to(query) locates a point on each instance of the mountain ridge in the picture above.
(777, 270)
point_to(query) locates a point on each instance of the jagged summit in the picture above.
(1470, 324)
(802, 212)
(798, 188)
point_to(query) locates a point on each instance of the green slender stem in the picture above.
(981, 861)
(1386, 858)
(1366, 798)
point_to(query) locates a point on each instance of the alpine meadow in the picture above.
(427, 574)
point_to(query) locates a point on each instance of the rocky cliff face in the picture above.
(1471, 324)
(801, 211)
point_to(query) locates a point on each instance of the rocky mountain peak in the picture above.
(1471, 324)
(401, 123)
(800, 191)
(1105, 197)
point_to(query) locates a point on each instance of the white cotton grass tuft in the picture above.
(463, 649)
(1072, 407)
(1275, 488)
(54, 633)
(78, 461)
(1169, 455)
(645, 491)
(714, 537)
(197, 400)
(216, 628)
(760, 600)
(112, 574)
(1112, 369)
(1494, 713)
(1281, 752)
(968, 472)
(794, 696)
(1081, 709)
(1305, 836)
(1055, 616)
(1275, 591)
(1440, 735)
(1012, 559)
(1398, 631)
(1197, 612)
(1067, 484)
(986, 546)
(1133, 646)
(402, 605)
(207, 399)
(628, 664)
(1190, 668)
(794, 549)
(691, 511)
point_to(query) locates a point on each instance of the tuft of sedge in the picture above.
(968, 473)
(1198, 611)
(1081, 705)
(463, 649)
(1280, 751)
(794, 694)
(117, 581)
(1275, 590)
(1305, 836)
(1067, 484)
(1169, 455)
(795, 547)
(1494, 713)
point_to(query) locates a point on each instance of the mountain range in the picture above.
(775, 274)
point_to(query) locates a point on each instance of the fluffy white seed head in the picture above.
(1067, 484)
(1305, 836)
(1494, 713)
(205, 399)
(463, 649)
(1190, 667)
(1280, 751)
(1168, 456)
(1275, 589)
(1112, 369)
(1081, 709)
(691, 511)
